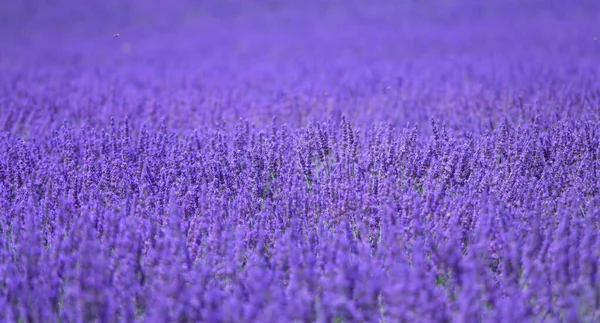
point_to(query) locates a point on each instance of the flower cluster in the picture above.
(325, 222)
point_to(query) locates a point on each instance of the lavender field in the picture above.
(300, 161)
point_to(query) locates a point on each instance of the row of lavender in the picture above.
(469, 95)
(330, 222)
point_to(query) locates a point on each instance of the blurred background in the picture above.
(331, 29)
(199, 62)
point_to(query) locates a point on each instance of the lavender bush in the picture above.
(318, 161)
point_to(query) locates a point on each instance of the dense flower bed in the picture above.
(317, 162)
